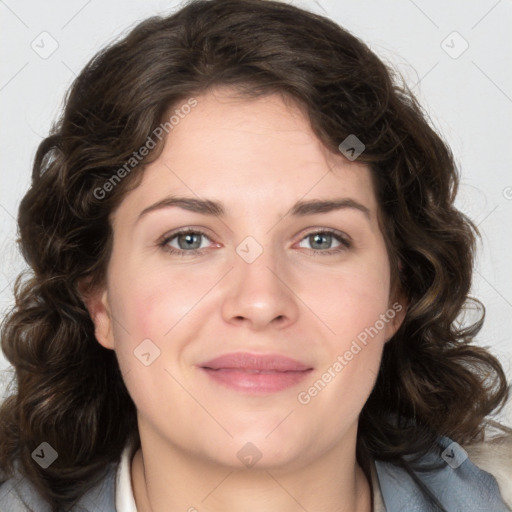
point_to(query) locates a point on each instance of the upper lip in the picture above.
(252, 361)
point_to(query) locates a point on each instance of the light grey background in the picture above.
(467, 92)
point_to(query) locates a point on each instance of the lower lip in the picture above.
(256, 383)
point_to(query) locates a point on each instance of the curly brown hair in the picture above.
(69, 389)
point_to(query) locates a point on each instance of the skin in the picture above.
(257, 157)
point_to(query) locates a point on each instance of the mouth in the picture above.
(255, 373)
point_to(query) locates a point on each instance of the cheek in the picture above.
(150, 301)
(353, 303)
(355, 310)
(161, 305)
(148, 308)
(350, 299)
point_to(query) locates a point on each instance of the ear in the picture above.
(398, 308)
(398, 305)
(97, 303)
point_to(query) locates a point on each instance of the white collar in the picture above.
(125, 502)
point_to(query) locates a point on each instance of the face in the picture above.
(264, 277)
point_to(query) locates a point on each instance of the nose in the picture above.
(260, 293)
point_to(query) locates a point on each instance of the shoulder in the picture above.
(473, 477)
(18, 494)
(495, 457)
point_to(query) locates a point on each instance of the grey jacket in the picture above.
(457, 484)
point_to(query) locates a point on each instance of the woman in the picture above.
(247, 271)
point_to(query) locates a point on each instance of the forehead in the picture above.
(247, 154)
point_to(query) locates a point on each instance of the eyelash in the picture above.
(345, 244)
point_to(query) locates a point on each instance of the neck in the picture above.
(178, 481)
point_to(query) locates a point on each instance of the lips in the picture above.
(256, 363)
(255, 373)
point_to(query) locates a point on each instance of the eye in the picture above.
(323, 240)
(188, 241)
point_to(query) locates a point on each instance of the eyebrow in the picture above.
(215, 208)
